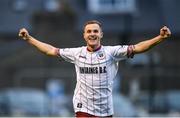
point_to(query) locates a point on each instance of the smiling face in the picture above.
(93, 35)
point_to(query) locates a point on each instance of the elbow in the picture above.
(53, 52)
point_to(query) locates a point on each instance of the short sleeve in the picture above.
(121, 52)
(67, 54)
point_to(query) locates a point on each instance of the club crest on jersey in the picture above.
(79, 105)
(101, 55)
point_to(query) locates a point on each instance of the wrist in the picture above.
(161, 37)
(28, 37)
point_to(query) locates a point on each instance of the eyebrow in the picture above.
(94, 30)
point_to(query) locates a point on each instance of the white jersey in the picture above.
(95, 72)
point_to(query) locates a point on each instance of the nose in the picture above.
(93, 33)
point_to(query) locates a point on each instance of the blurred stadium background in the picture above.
(33, 84)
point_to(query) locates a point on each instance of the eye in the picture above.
(88, 31)
(95, 31)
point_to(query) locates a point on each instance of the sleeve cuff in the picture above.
(130, 52)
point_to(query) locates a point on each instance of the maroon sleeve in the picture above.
(57, 52)
(130, 53)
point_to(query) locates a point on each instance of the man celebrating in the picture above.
(96, 67)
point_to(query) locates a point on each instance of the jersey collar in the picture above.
(94, 50)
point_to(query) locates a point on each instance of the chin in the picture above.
(91, 45)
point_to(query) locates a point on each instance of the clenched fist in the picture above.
(165, 32)
(23, 33)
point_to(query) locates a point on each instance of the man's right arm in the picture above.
(43, 47)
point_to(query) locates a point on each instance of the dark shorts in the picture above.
(83, 114)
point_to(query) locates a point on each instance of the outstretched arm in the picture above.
(148, 44)
(43, 47)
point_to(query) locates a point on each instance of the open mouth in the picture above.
(92, 37)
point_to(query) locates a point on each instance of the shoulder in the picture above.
(110, 48)
(75, 49)
(79, 49)
(70, 51)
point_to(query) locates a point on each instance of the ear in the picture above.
(84, 36)
(101, 34)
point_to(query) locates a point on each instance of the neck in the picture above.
(93, 49)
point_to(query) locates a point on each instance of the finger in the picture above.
(22, 34)
(167, 30)
(164, 28)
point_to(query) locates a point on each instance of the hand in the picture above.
(23, 33)
(165, 32)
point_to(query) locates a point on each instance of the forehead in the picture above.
(91, 26)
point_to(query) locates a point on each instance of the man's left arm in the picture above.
(148, 44)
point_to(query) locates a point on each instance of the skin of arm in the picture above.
(148, 44)
(43, 47)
